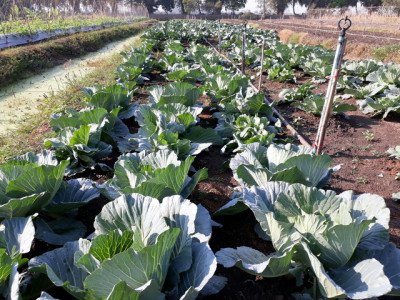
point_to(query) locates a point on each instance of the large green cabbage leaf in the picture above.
(341, 238)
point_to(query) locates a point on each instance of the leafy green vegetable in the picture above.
(26, 188)
(257, 165)
(16, 236)
(314, 104)
(156, 174)
(141, 248)
(181, 92)
(339, 238)
(394, 152)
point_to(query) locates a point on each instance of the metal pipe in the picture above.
(330, 94)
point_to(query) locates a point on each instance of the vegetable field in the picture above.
(179, 182)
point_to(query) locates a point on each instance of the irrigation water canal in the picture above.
(19, 101)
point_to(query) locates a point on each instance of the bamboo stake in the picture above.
(262, 63)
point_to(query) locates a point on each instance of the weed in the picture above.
(298, 121)
(362, 179)
(397, 177)
(294, 38)
(375, 153)
(368, 135)
(385, 53)
(365, 148)
(355, 160)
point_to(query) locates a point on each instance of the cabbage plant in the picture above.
(387, 75)
(16, 236)
(380, 105)
(26, 187)
(257, 165)
(180, 92)
(225, 87)
(394, 152)
(340, 240)
(172, 126)
(184, 73)
(314, 104)
(157, 174)
(141, 249)
(245, 129)
(360, 68)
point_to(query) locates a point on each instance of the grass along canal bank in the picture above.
(25, 107)
(23, 62)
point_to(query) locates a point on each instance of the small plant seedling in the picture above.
(362, 179)
(397, 177)
(298, 121)
(368, 135)
(355, 160)
(375, 152)
(365, 148)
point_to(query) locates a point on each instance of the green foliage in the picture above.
(315, 103)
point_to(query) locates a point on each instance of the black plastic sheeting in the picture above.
(11, 40)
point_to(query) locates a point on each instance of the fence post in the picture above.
(365, 23)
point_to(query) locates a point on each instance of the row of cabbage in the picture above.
(134, 254)
(167, 138)
(375, 84)
(313, 231)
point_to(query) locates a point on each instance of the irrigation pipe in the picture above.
(344, 24)
(294, 132)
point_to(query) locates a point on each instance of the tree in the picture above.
(213, 6)
(234, 5)
(264, 6)
(193, 5)
(167, 5)
(368, 3)
(279, 6)
(180, 4)
(391, 2)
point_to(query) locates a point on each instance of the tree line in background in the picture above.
(15, 8)
(184, 6)
(279, 6)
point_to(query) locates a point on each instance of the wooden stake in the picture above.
(262, 64)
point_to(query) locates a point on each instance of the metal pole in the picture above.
(262, 63)
(244, 48)
(330, 94)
